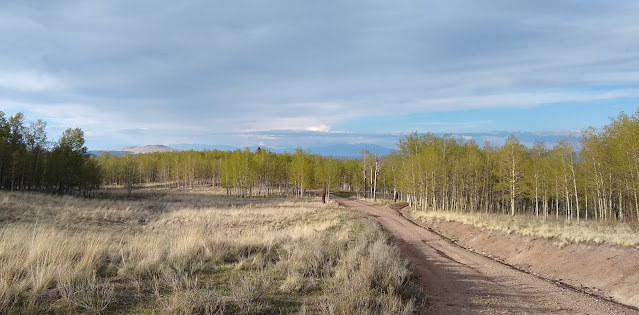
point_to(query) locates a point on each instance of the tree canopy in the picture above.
(29, 162)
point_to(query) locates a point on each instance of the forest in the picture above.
(596, 179)
(29, 161)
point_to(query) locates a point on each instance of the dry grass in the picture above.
(564, 231)
(194, 252)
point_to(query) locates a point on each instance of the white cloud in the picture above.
(321, 128)
(521, 100)
(30, 81)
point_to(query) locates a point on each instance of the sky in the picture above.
(299, 73)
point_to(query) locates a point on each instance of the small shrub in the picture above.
(388, 304)
(178, 279)
(195, 301)
(387, 271)
(247, 292)
(90, 294)
(8, 299)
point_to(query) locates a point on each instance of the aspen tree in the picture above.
(512, 157)
(535, 172)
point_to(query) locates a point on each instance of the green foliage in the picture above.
(600, 181)
(28, 163)
(241, 172)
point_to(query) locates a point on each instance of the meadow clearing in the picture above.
(195, 251)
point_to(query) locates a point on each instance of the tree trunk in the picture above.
(375, 184)
(574, 181)
(512, 187)
(636, 205)
(13, 172)
(536, 195)
(620, 207)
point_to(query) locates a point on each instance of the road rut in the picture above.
(458, 281)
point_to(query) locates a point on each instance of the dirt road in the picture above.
(458, 281)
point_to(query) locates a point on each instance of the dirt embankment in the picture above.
(608, 271)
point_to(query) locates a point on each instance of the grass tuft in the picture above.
(563, 231)
(93, 295)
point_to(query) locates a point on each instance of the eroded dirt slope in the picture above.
(609, 271)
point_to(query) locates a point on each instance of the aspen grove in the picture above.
(596, 179)
(30, 162)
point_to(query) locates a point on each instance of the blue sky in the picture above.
(296, 73)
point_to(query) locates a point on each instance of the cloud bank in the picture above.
(141, 72)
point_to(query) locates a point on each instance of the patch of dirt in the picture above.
(398, 206)
(608, 271)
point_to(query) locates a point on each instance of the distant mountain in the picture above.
(149, 149)
(97, 153)
(349, 150)
(202, 147)
(342, 150)
(134, 150)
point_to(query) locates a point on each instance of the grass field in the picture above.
(562, 230)
(195, 252)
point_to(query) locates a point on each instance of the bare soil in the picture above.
(460, 281)
(607, 271)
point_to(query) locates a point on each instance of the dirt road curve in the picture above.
(457, 281)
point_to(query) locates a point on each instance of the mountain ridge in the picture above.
(342, 150)
(134, 150)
